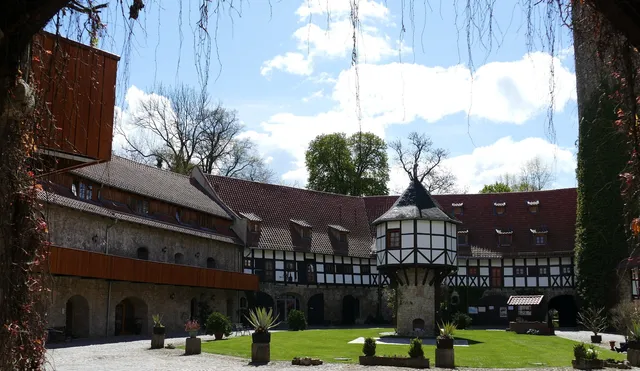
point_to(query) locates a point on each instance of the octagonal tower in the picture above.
(416, 247)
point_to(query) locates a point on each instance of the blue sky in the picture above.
(287, 71)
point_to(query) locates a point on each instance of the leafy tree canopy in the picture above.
(355, 165)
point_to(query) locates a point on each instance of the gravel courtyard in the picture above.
(136, 356)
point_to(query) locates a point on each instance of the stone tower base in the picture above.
(416, 304)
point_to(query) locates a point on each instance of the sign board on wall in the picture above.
(503, 312)
(473, 310)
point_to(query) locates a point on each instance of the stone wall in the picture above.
(76, 229)
(334, 297)
(416, 302)
(91, 298)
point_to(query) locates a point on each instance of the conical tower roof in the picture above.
(415, 203)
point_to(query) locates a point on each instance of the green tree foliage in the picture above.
(355, 165)
(497, 187)
(600, 234)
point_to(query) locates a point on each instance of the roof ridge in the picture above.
(285, 186)
(149, 166)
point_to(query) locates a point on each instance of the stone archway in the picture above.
(315, 310)
(131, 317)
(350, 310)
(77, 317)
(285, 304)
(567, 309)
(264, 300)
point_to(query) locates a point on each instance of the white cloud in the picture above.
(334, 37)
(484, 165)
(510, 92)
(315, 95)
(294, 63)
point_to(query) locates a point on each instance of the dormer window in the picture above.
(505, 237)
(254, 227)
(457, 208)
(533, 206)
(500, 207)
(539, 236)
(340, 232)
(463, 237)
(254, 223)
(342, 237)
(306, 233)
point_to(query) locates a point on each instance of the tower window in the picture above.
(393, 238)
(500, 207)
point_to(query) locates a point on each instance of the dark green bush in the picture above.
(415, 349)
(218, 323)
(369, 347)
(579, 351)
(461, 320)
(296, 320)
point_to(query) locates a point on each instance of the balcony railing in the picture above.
(88, 264)
(78, 84)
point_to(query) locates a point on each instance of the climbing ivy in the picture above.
(600, 233)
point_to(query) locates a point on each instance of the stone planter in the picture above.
(193, 346)
(445, 358)
(157, 341)
(633, 356)
(596, 339)
(633, 344)
(587, 364)
(260, 353)
(444, 343)
(395, 361)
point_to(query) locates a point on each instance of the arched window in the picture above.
(211, 263)
(143, 253)
(178, 258)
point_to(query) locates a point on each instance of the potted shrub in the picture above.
(369, 347)
(219, 325)
(445, 339)
(586, 358)
(594, 321)
(461, 320)
(192, 327)
(262, 321)
(415, 348)
(296, 320)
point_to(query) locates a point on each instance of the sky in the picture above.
(286, 68)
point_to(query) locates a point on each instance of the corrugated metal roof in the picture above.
(525, 299)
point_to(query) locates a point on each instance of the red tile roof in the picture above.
(556, 215)
(278, 205)
(525, 299)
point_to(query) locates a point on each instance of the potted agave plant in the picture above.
(445, 339)
(262, 321)
(595, 321)
(157, 339)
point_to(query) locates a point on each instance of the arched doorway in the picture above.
(131, 317)
(567, 310)
(315, 310)
(286, 304)
(264, 300)
(77, 317)
(350, 310)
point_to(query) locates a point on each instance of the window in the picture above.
(533, 209)
(211, 263)
(311, 272)
(541, 239)
(342, 237)
(472, 271)
(89, 193)
(543, 271)
(500, 207)
(178, 258)
(248, 262)
(524, 310)
(567, 269)
(74, 189)
(463, 239)
(504, 239)
(344, 268)
(532, 271)
(143, 253)
(290, 266)
(330, 268)
(254, 227)
(496, 277)
(393, 239)
(365, 269)
(268, 271)
(306, 233)
(519, 271)
(457, 208)
(142, 207)
(178, 214)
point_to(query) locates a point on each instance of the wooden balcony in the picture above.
(78, 84)
(87, 264)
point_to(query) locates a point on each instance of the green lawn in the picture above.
(486, 348)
